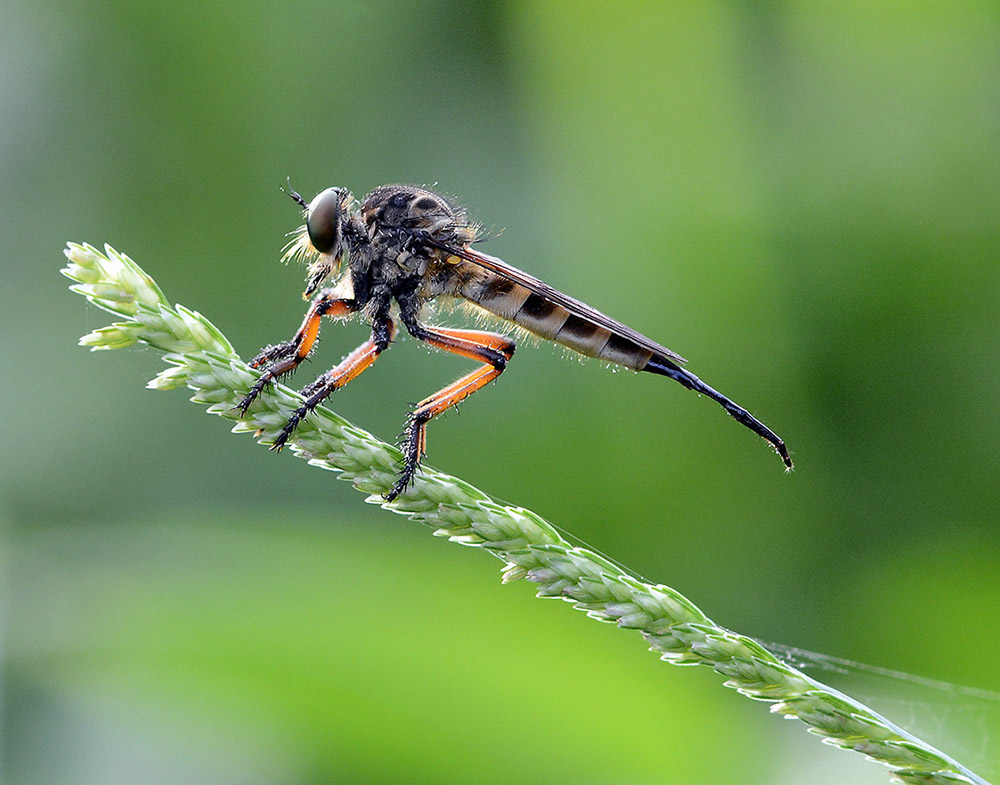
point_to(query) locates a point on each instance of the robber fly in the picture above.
(408, 246)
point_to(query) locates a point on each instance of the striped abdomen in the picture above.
(548, 319)
(548, 313)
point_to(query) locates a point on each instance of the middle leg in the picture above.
(345, 371)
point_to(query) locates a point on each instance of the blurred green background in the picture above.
(800, 198)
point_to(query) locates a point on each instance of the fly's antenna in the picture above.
(294, 194)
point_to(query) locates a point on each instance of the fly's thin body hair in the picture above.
(319, 266)
(455, 311)
(460, 213)
(298, 248)
(484, 320)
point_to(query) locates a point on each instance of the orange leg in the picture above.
(489, 348)
(338, 376)
(283, 358)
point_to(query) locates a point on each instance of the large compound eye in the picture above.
(323, 221)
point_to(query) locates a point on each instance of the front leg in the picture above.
(283, 358)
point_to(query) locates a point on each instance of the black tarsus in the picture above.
(409, 445)
(665, 367)
(280, 360)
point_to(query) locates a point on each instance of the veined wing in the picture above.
(531, 303)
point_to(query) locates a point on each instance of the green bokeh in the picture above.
(801, 199)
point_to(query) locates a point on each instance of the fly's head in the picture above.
(416, 220)
(321, 241)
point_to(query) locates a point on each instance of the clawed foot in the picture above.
(293, 422)
(412, 444)
(250, 397)
(279, 360)
(314, 394)
(403, 479)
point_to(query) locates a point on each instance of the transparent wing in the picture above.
(571, 304)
